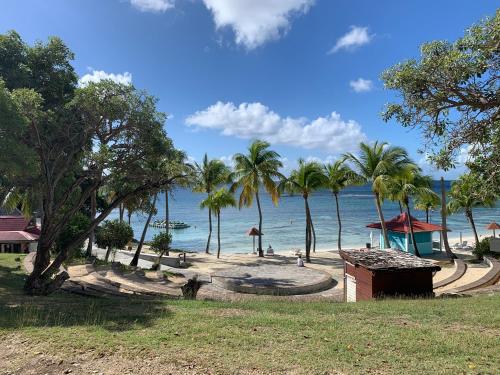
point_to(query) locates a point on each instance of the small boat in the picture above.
(171, 224)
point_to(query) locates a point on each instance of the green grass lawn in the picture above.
(396, 336)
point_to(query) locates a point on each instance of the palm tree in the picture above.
(427, 203)
(375, 165)
(215, 202)
(307, 178)
(339, 176)
(260, 167)
(464, 196)
(209, 175)
(410, 183)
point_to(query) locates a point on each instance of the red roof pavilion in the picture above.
(401, 224)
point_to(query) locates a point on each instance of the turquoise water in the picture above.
(284, 225)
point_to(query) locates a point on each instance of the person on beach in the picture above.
(270, 251)
(300, 262)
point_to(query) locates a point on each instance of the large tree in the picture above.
(210, 174)
(304, 180)
(67, 142)
(375, 165)
(260, 167)
(452, 94)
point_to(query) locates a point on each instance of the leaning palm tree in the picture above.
(339, 176)
(215, 202)
(260, 167)
(409, 183)
(427, 203)
(307, 178)
(209, 175)
(375, 165)
(464, 196)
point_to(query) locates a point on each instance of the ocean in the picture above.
(284, 225)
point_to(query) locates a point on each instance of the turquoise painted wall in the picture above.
(398, 241)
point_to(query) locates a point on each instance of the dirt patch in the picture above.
(227, 313)
(20, 356)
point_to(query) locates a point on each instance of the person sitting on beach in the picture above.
(270, 251)
(300, 262)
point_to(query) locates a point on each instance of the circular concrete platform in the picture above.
(282, 280)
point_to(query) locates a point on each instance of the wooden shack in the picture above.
(370, 274)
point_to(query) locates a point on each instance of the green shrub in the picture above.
(482, 248)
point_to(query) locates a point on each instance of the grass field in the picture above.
(63, 332)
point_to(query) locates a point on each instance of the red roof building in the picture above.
(398, 231)
(17, 235)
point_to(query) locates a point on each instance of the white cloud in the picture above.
(255, 22)
(255, 120)
(99, 75)
(356, 37)
(154, 6)
(361, 85)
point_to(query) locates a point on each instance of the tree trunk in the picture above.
(93, 209)
(313, 236)
(135, 259)
(122, 212)
(400, 207)
(108, 252)
(167, 219)
(218, 234)
(261, 252)
(468, 213)
(382, 222)
(338, 220)
(415, 248)
(308, 231)
(449, 253)
(426, 214)
(207, 249)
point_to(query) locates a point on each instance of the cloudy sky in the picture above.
(302, 74)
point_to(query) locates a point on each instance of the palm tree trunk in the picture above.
(473, 225)
(218, 234)
(207, 249)
(382, 222)
(426, 214)
(338, 220)
(261, 252)
(309, 231)
(449, 253)
(400, 208)
(93, 209)
(412, 233)
(122, 212)
(129, 217)
(135, 259)
(106, 258)
(313, 236)
(167, 219)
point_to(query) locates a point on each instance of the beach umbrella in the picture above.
(493, 226)
(253, 232)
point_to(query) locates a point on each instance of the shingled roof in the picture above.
(379, 260)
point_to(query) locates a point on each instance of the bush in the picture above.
(74, 228)
(113, 235)
(482, 248)
(161, 242)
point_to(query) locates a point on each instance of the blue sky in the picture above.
(303, 74)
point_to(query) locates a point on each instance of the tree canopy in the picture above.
(452, 94)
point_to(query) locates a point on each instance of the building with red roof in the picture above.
(398, 231)
(17, 234)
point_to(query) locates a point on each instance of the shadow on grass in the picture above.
(62, 309)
